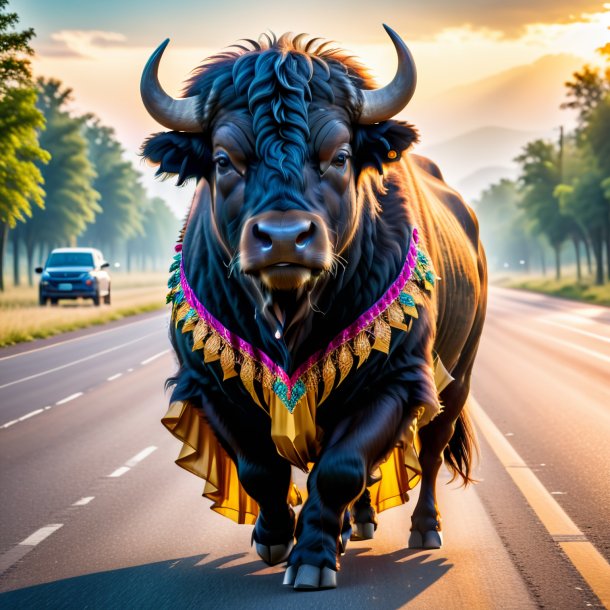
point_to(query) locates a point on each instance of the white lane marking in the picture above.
(63, 401)
(18, 552)
(8, 424)
(64, 366)
(140, 456)
(83, 501)
(113, 377)
(38, 536)
(154, 357)
(129, 464)
(119, 472)
(583, 555)
(577, 330)
(101, 332)
(569, 344)
(31, 414)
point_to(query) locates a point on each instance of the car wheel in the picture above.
(42, 300)
(96, 299)
(107, 297)
(54, 302)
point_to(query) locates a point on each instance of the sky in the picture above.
(99, 48)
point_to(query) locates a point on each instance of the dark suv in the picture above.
(71, 273)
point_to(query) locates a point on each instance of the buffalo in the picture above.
(328, 294)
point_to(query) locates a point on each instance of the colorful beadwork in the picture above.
(325, 369)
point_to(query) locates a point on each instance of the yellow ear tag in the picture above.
(392, 154)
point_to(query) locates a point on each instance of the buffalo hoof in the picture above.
(432, 539)
(274, 553)
(307, 577)
(363, 531)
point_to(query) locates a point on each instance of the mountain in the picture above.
(474, 184)
(475, 159)
(475, 131)
(524, 98)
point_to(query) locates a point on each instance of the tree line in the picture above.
(64, 180)
(561, 197)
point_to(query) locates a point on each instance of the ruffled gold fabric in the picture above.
(297, 440)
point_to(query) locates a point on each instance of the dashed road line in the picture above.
(68, 364)
(140, 456)
(130, 463)
(568, 344)
(113, 377)
(576, 330)
(30, 414)
(63, 401)
(11, 557)
(144, 362)
(84, 501)
(42, 534)
(119, 472)
(582, 554)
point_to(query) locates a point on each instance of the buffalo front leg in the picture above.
(338, 478)
(265, 476)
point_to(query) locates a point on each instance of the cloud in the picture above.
(509, 18)
(79, 43)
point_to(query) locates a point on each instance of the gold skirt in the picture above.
(203, 455)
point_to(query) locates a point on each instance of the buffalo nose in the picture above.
(292, 237)
(283, 234)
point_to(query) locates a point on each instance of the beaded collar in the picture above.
(265, 380)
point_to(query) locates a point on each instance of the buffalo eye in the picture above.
(223, 163)
(340, 159)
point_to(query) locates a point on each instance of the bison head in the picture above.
(281, 132)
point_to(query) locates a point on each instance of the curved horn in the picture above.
(177, 114)
(382, 104)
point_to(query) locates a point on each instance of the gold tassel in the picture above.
(312, 378)
(362, 347)
(267, 384)
(181, 311)
(396, 317)
(383, 335)
(227, 362)
(211, 348)
(247, 373)
(190, 324)
(345, 361)
(328, 374)
(200, 332)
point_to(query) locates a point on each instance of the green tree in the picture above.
(121, 194)
(540, 175)
(20, 177)
(71, 200)
(585, 199)
(504, 229)
(152, 248)
(589, 93)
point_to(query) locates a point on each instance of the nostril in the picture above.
(304, 239)
(263, 238)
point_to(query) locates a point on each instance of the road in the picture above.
(95, 514)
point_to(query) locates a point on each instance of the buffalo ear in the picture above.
(381, 143)
(186, 155)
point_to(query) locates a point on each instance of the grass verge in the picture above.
(22, 319)
(567, 288)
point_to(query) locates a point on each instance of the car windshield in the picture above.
(70, 259)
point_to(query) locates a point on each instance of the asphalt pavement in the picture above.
(95, 514)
